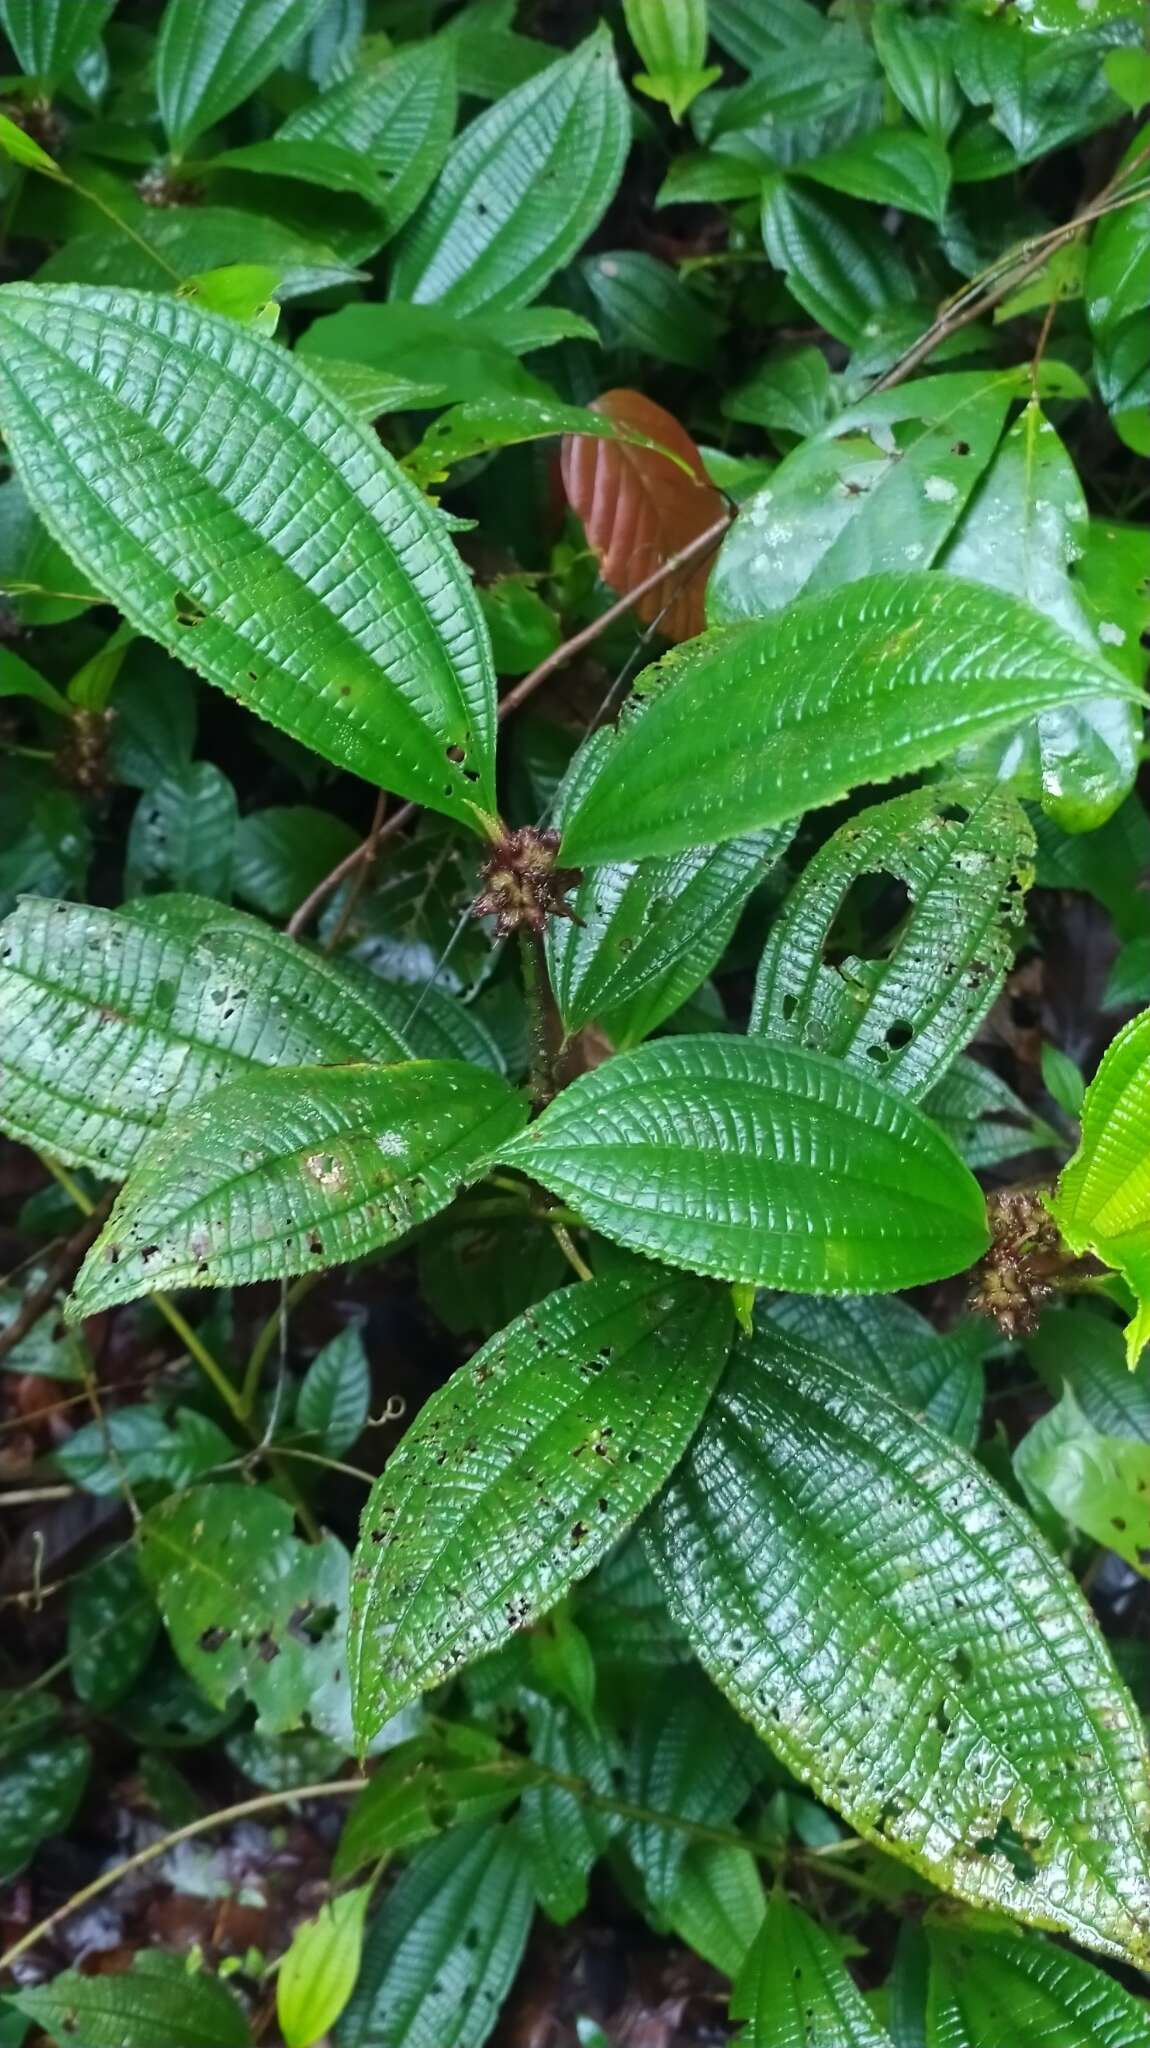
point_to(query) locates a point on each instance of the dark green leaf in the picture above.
(211, 54)
(988, 1989)
(929, 1669)
(112, 1623)
(891, 167)
(336, 1393)
(758, 1163)
(419, 1791)
(145, 1448)
(890, 1346)
(792, 392)
(520, 1474)
(398, 115)
(159, 1997)
(1129, 978)
(281, 853)
(794, 1988)
(837, 261)
(467, 355)
(40, 1790)
(719, 1903)
(1082, 1349)
(983, 1117)
(688, 1757)
(50, 36)
(189, 241)
(916, 52)
(646, 306)
(183, 835)
(562, 1833)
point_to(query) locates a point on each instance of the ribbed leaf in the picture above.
(1102, 1202)
(719, 1903)
(1072, 1473)
(837, 260)
(757, 723)
(891, 1624)
(916, 54)
(441, 1955)
(690, 1757)
(479, 425)
(987, 1990)
(983, 1117)
(112, 1023)
(424, 1787)
(183, 834)
(295, 565)
(645, 305)
(1081, 1348)
(211, 54)
(758, 1163)
(639, 509)
(399, 116)
(296, 1170)
(519, 1475)
(192, 240)
(335, 1395)
(915, 997)
(562, 1834)
(49, 36)
(158, 1998)
(890, 167)
(889, 1345)
(112, 1624)
(794, 1990)
(522, 189)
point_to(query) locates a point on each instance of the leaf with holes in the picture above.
(1102, 1201)
(927, 1667)
(295, 1170)
(519, 1475)
(50, 36)
(758, 1163)
(640, 510)
(211, 54)
(114, 1021)
(987, 1989)
(1097, 1483)
(523, 187)
(906, 986)
(794, 1987)
(296, 566)
(158, 1998)
(754, 724)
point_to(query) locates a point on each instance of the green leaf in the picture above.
(1042, 92)
(983, 1117)
(1102, 1201)
(336, 1393)
(420, 1790)
(40, 1789)
(889, 1345)
(916, 53)
(906, 998)
(19, 679)
(190, 241)
(519, 1475)
(398, 116)
(792, 392)
(112, 1624)
(754, 724)
(926, 1667)
(754, 1162)
(752, 33)
(987, 1989)
(891, 167)
(690, 1757)
(318, 1971)
(329, 165)
(837, 261)
(882, 484)
(160, 1997)
(1128, 74)
(648, 932)
(794, 1988)
(719, 1903)
(1022, 532)
(112, 1022)
(300, 570)
(1107, 864)
(646, 306)
(281, 853)
(146, 1448)
(468, 356)
(295, 1170)
(443, 1952)
(705, 179)
(50, 36)
(479, 425)
(522, 188)
(1062, 1079)
(244, 291)
(671, 38)
(561, 1832)
(211, 54)
(524, 628)
(249, 1608)
(1129, 978)
(19, 148)
(1099, 1484)
(1082, 1349)
(183, 835)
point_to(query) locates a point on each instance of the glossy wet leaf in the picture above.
(520, 1474)
(183, 835)
(139, 1446)
(467, 355)
(49, 36)
(477, 426)
(987, 1988)
(112, 1022)
(211, 54)
(794, 1988)
(335, 1394)
(1102, 1201)
(300, 571)
(294, 1170)
(1097, 1483)
(927, 1667)
(136, 2008)
(671, 38)
(522, 188)
(317, 1973)
(639, 509)
(562, 1832)
(112, 1624)
(756, 1162)
(889, 1345)
(399, 115)
(916, 53)
(902, 1001)
(755, 724)
(442, 1952)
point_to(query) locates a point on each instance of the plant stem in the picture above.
(296, 1293)
(545, 1021)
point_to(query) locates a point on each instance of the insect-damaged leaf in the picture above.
(925, 1665)
(294, 565)
(294, 1170)
(519, 1475)
(157, 1998)
(794, 1988)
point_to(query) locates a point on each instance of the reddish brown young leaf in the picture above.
(639, 508)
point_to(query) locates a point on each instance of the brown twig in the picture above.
(64, 1265)
(702, 545)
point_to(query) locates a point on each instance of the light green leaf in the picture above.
(1102, 1201)
(328, 164)
(244, 291)
(211, 54)
(837, 261)
(1128, 74)
(646, 306)
(443, 1952)
(890, 167)
(183, 835)
(889, 1345)
(988, 1989)
(20, 148)
(791, 391)
(905, 998)
(754, 724)
(705, 179)
(1062, 1079)
(336, 1393)
(522, 188)
(925, 1666)
(50, 36)
(113, 1022)
(318, 1971)
(398, 116)
(794, 1988)
(519, 1475)
(1118, 265)
(671, 38)
(466, 356)
(916, 52)
(112, 1624)
(425, 1787)
(754, 1162)
(295, 1170)
(1099, 1484)
(882, 484)
(718, 1904)
(300, 570)
(524, 628)
(158, 1998)
(479, 425)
